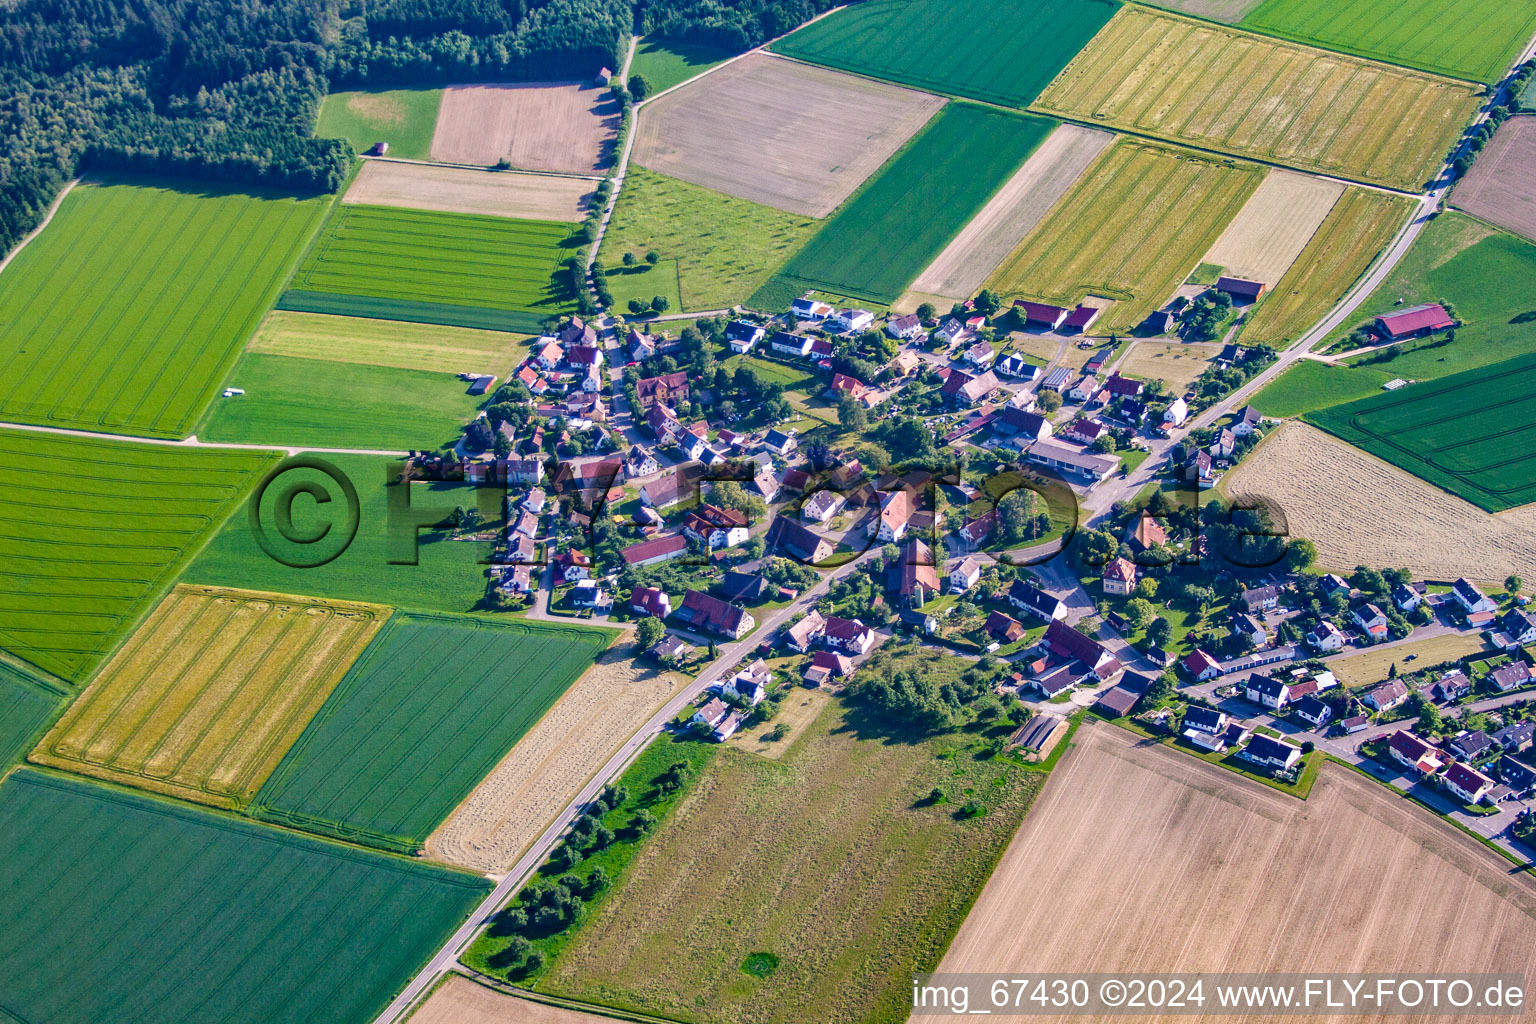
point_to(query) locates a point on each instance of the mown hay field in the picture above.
(208, 694)
(1274, 226)
(1197, 855)
(93, 531)
(458, 1000)
(1001, 54)
(1358, 227)
(875, 246)
(548, 766)
(1229, 11)
(126, 312)
(720, 249)
(404, 118)
(467, 190)
(194, 915)
(777, 132)
(830, 859)
(427, 711)
(1472, 433)
(428, 267)
(1461, 38)
(1501, 187)
(1363, 511)
(1264, 98)
(1375, 665)
(1132, 229)
(1175, 363)
(404, 346)
(28, 701)
(962, 268)
(538, 126)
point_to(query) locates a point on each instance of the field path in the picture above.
(193, 442)
(58, 200)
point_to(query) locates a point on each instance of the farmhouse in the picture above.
(790, 538)
(963, 389)
(915, 579)
(895, 514)
(834, 665)
(1027, 597)
(708, 614)
(1041, 315)
(1065, 642)
(1028, 425)
(716, 527)
(1004, 628)
(848, 635)
(1056, 681)
(650, 601)
(1414, 322)
(1242, 291)
(744, 586)
(800, 635)
(657, 549)
(964, 575)
(670, 389)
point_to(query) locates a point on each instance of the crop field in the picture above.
(1198, 855)
(466, 190)
(1275, 225)
(384, 262)
(462, 1001)
(379, 565)
(208, 695)
(541, 126)
(28, 701)
(404, 118)
(1356, 230)
(1175, 363)
(83, 551)
(1472, 433)
(124, 315)
(1131, 230)
(829, 859)
(1501, 187)
(787, 135)
(194, 915)
(881, 240)
(1264, 98)
(1366, 512)
(1461, 38)
(720, 248)
(548, 766)
(962, 268)
(664, 62)
(425, 714)
(394, 343)
(298, 401)
(1004, 54)
(1229, 11)
(1373, 666)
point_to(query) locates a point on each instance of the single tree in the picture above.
(653, 257)
(648, 632)
(629, 259)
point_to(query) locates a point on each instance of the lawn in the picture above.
(405, 346)
(404, 118)
(664, 63)
(292, 401)
(449, 575)
(1131, 229)
(831, 860)
(28, 701)
(124, 315)
(192, 915)
(1311, 385)
(892, 228)
(1265, 98)
(1360, 225)
(721, 248)
(793, 378)
(1468, 39)
(430, 708)
(458, 269)
(1472, 433)
(1004, 54)
(645, 282)
(94, 531)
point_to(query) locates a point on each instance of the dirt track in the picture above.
(539, 126)
(463, 190)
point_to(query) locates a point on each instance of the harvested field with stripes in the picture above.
(1264, 98)
(962, 268)
(465, 190)
(536, 126)
(84, 551)
(1501, 187)
(431, 707)
(1132, 229)
(519, 798)
(393, 343)
(778, 132)
(1274, 227)
(208, 695)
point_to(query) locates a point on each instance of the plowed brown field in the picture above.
(559, 126)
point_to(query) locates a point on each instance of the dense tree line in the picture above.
(732, 24)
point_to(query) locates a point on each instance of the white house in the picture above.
(1469, 784)
(1267, 691)
(904, 327)
(749, 684)
(810, 309)
(1176, 413)
(849, 635)
(851, 320)
(821, 506)
(741, 335)
(1201, 666)
(1119, 577)
(792, 344)
(964, 576)
(1325, 636)
(1268, 752)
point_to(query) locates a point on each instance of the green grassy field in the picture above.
(449, 575)
(1131, 229)
(1003, 54)
(296, 401)
(645, 282)
(192, 915)
(404, 118)
(427, 711)
(1310, 385)
(831, 860)
(1472, 433)
(664, 63)
(29, 700)
(892, 228)
(127, 311)
(1468, 39)
(723, 247)
(387, 262)
(94, 531)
